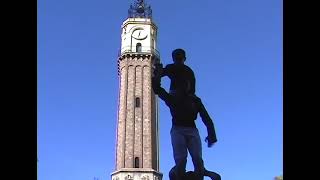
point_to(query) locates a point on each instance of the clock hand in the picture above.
(139, 34)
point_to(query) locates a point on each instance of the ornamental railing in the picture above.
(140, 9)
(139, 50)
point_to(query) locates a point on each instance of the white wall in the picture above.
(128, 43)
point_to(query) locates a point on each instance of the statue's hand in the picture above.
(210, 140)
(158, 70)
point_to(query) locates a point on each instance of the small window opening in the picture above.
(136, 162)
(138, 47)
(137, 102)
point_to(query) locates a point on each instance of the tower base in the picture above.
(136, 174)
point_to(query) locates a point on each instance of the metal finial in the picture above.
(140, 9)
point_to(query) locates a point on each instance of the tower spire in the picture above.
(140, 9)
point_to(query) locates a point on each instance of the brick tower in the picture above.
(137, 146)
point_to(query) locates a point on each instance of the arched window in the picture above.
(136, 162)
(138, 47)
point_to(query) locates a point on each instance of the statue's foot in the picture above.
(190, 175)
(212, 175)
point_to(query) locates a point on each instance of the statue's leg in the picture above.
(195, 150)
(180, 152)
(172, 174)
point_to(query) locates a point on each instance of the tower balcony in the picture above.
(139, 50)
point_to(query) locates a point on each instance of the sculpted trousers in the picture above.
(186, 139)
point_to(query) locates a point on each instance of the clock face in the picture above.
(139, 34)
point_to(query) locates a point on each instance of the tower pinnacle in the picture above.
(140, 9)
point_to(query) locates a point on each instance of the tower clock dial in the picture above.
(139, 34)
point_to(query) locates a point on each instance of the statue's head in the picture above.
(178, 56)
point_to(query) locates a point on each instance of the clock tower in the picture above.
(137, 145)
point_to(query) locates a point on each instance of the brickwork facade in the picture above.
(137, 133)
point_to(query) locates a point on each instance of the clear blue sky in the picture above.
(233, 46)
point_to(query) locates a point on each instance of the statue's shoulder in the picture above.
(186, 67)
(169, 66)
